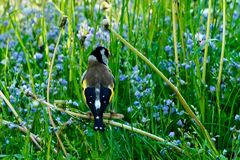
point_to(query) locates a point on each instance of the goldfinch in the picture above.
(98, 85)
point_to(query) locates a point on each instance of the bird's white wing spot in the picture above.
(97, 104)
(97, 117)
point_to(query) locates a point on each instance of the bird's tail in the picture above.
(98, 123)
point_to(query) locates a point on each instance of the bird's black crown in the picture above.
(98, 53)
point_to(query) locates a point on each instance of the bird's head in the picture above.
(99, 54)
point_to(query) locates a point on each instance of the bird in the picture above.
(98, 85)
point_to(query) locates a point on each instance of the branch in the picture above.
(111, 122)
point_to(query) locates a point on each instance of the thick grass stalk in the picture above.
(175, 41)
(19, 119)
(174, 88)
(202, 107)
(221, 66)
(49, 81)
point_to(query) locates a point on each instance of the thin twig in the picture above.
(63, 22)
(4, 122)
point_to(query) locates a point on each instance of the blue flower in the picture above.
(138, 94)
(212, 89)
(179, 123)
(75, 104)
(171, 134)
(51, 47)
(12, 99)
(60, 58)
(38, 56)
(11, 126)
(122, 77)
(168, 48)
(136, 103)
(130, 109)
(63, 82)
(237, 117)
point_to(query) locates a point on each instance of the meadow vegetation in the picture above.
(176, 66)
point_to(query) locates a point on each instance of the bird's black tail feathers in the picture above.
(98, 124)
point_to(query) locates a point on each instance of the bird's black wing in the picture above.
(105, 97)
(90, 95)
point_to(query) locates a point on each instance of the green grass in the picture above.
(151, 56)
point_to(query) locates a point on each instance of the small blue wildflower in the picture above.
(168, 48)
(122, 77)
(60, 58)
(12, 99)
(237, 117)
(3, 103)
(165, 108)
(70, 121)
(53, 33)
(136, 103)
(7, 141)
(69, 101)
(63, 82)
(235, 15)
(189, 43)
(135, 70)
(212, 89)
(75, 104)
(59, 67)
(130, 109)
(187, 66)
(87, 43)
(178, 142)
(11, 126)
(156, 115)
(147, 91)
(23, 123)
(12, 44)
(58, 119)
(138, 94)
(5, 23)
(64, 88)
(171, 134)
(144, 119)
(33, 109)
(38, 56)
(179, 123)
(51, 47)
(232, 128)
(138, 78)
(180, 113)
(168, 102)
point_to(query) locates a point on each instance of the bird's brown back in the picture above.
(98, 75)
